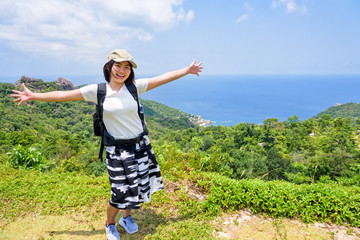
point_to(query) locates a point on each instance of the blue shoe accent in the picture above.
(111, 232)
(128, 224)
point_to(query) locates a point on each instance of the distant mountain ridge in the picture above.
(172, 117)
(348, 110)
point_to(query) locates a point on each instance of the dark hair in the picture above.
(107, 73)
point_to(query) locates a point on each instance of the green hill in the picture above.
(172, 118)
(348, 110)
(42, 121)
(63, 131)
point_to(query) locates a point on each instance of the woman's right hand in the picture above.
(24, 96)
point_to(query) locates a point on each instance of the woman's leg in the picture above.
(127, 212)
(111, 213)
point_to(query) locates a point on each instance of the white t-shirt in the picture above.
(120, 116)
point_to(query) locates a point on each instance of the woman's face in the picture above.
(120, 72)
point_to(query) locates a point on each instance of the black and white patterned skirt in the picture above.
(134, 174)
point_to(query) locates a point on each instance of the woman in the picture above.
(134, 175)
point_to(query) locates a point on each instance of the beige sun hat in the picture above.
(121, 55)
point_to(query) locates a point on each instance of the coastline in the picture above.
(198, 120)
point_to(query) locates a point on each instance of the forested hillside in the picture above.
(348, 110)
(309, 169)
(62, 130)
(293, 150)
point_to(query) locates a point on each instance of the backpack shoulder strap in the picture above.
(101, 94)
(132, 89)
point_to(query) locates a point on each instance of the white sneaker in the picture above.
(111, 232)
(128, 224)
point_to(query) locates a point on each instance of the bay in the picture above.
(229, 100)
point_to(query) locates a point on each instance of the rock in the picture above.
(32, 83)
(224, 235)
(36, 85)
(320, 225)
(65, 84)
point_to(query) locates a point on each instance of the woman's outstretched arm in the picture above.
(54, 96)
(171, 76)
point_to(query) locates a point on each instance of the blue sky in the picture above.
(74, 37)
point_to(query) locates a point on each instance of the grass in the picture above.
(23, 191)
(63, 205)
(58, 205)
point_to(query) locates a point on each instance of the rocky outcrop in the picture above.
(31, 83)
(36, 85)
(65, 84)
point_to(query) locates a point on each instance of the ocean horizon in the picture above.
(229, 100)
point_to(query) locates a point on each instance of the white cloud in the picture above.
(250, 7)
(290, 6)
(242, 18)
(82, 27)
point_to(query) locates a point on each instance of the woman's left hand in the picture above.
(173, 75)
(195, 68)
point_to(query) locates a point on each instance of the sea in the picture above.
(231, 99)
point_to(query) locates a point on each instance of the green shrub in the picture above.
(28, 158)
(298, 178)
(97, 168)
(310, 202)
(71, 165)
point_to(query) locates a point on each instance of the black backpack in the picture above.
(99, 126)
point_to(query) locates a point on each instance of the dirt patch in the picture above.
(190, 189)
(54, 227)
(171, 186)
(244, 225)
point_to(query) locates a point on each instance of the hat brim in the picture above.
(123, 60)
